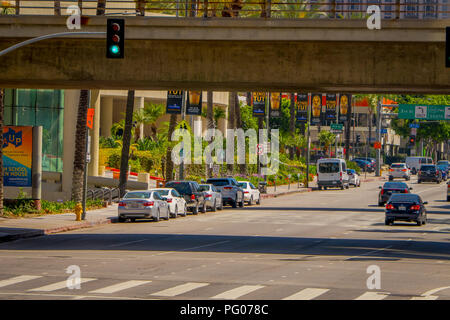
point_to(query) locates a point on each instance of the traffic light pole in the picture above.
(379, 118)
(48, 36)
(308, 144)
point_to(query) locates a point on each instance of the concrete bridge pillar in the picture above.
(106, 116)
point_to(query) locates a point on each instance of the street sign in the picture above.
(336, 126)
(383, 131)
(414, 125)
(424, 112)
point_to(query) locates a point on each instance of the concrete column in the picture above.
(71, 101)
(106, 116)
(95, 133)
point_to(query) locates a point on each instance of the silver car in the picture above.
(142, 205)
(231, 192)
(213, 197)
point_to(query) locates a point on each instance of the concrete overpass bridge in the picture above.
(323, 55)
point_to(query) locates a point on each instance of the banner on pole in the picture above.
(194, 103)
(259, 104)
(316, 108)
(345, 104)
(275, 105)
(302, 104)
(174, 101)
(331, 105)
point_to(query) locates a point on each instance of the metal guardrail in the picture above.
(289, 9)
(106, 194)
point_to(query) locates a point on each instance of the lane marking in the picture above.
(120, 286)
(307, 294)
(69, 296)
(237, 292)
(59, 285)
(193, 248)
(18, 279)
(369, 295)
(177, 290)
(125, 243)
(425, 298)
(430, 292)
(364, 254)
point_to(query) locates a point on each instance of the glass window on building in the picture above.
(36, 107)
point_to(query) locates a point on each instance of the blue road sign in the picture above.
(414, 125)
(383, 131)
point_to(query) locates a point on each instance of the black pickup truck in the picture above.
(195, 199)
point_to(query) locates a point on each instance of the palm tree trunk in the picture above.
(101, 4)
(231, 123)
(57, 7)
(169, 162)
(237, 112)
(1, 152)
(80, 148)
(292, 124)
(126, 143)
(210, 124)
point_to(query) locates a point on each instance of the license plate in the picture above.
(334, 182)
(134, 205)
(402, 208)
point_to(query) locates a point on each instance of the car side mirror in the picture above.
(425, 202)
(380, 187)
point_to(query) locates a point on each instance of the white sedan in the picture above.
(251, 193)
(177, 204)
(353, 178)
(141, 205)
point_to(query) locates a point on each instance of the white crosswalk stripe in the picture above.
(177, 290)
(307, 294)
(120, 286)
(18, 279)
(59, 285)
(237, 292)
(424, 298)
(372, 296)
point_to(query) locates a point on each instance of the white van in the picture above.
(332, 172)
(414, 163)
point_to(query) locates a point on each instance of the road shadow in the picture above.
(165, 242)
(349, 210)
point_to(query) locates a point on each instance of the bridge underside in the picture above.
(212, 62)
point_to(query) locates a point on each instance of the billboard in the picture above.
(345, 107)
(302, 104)
(331, 107)
(17, 156)
(194, 103)
(174, 101)
(275, 105)
(316, 108)
(259, 104)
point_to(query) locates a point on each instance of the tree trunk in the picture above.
(231, 123)
(210, 124)
(80, 148)
(237, 112)
(126, 141)
(292, 124)
(169, 162)
(1, 152)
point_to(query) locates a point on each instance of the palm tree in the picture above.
(326, 138)
(126, 143)
(152, 113)
(231, 122)
(169, 163)
(292, 122)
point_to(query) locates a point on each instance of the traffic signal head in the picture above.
(115, 38)
(358, 138)
(447, 47)
(412, 140)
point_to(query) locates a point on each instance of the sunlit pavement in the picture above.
(315, 245)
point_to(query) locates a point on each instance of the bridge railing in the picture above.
(279, 9)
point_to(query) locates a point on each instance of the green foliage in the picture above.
(354, 166)
(108, 142)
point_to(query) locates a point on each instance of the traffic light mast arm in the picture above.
(48, 36)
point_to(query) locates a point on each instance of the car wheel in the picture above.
(168, 214)
(195, 210)
(185, 211)
(319, 188)
(380, 204)
(387, 222)
(158, 216)
(391, 178)
(418, 181)
(176, 212)
(419, 223)
(119, 219)
(221, 205)
(241, 204)
(324, 188)
(448, 198)
(437, 181)
(342, 187)
(133, 219)
(234, 204)
(347, 186)
(214, 207)
(259, 200)
(204, 207)
(250, 202)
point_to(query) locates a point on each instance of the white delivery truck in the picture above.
(414, 163)
(332, 172)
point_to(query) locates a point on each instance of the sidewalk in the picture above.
(12, 228)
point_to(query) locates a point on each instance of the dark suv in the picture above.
(231, 192)
(195, 198)
(429, 172)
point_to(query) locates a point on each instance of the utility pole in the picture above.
(379, 118)
(267, 128)
(183, 112)
(307, 141)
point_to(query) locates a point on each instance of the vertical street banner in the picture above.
(174, 101)
(17, 156)
(259, 104)
(331, 107)
(275, 105)
(194, 103)
(90, 118)
(302, 104)
(345, 105)
(316, 108)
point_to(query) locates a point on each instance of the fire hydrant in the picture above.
(78, 211)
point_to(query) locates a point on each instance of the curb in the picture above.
(275, 195)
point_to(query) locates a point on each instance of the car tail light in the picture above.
(420, 172)
(148, 203)
(245, 191)
(391, 170)
(389, 207)
(122, 204)
(193, 197)
(415, 207)
(207, 196)
(340, 174)
(405, 191)
(404, 170)
(382, 191)
(169, 200)
(228, 188)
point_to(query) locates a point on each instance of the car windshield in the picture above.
(443, 163)
(137, 195)
(181, 187)
(329, 167)
(242, 184)
(351, 171)
(162, 192)
(427, 168)
(398, 197)
(395, 185)
(398, 165)
(219, 183)
(203, 187)
(442, 166)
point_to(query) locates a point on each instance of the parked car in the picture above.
(232, 193)
(195, 199)
(390, 188)
(414, 163)
(332, 172)
(429, 172)
(444, 162)
(353, 178)
(448, 191)
(365, 165)
(406, 207)
(444, 170)
(212, 196)
(142, 204)
(177, 204)
(251, 193)
(399, 170)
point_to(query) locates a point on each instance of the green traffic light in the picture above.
(114, 49)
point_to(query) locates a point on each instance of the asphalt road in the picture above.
(315, 245)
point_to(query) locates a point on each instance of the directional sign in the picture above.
(414, 125)
(383, 131)
(424, 112)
